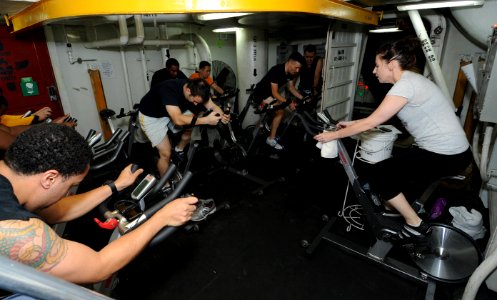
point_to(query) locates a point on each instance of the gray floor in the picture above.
(253, 250)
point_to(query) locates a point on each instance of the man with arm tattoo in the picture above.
(39, 169)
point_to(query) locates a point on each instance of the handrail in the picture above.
(22, 279)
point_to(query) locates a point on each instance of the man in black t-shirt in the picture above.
(311, 80)
(268, 90)
(171, 71)
(175, 103)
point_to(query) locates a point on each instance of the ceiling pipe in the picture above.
(162, 43)
(201, 45)
(140, 32)
(126, 79)
(139, 39)
(122, 40)
(115, 18)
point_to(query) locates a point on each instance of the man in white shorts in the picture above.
(174, 103)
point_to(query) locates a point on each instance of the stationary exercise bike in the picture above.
(447, 255)
(304, 108)
(109, 116)
(122, 215)
(236, 143)
(125, 213)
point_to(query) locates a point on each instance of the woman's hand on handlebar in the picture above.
(127, 177)
(325, 137)
(344, 124)
(331, 135)
(179, 211)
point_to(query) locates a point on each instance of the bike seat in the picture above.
(107, 113)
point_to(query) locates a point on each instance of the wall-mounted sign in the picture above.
(29, 87)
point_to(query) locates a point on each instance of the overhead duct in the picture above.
(474, 21)
(123, 39)
(139, 39)
(470, 20)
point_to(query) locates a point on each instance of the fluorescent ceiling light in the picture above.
(227, 29)
(439, 4)
(385, 29)
(24, 0)
(217, 16)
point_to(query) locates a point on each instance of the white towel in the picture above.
(328, 149)
(469, 222)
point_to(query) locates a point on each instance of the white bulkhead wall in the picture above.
(75, 87)
(90, 49)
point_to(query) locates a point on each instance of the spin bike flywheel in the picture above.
(449, 254)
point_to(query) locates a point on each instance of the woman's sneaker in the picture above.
(273, 143)
(204, 208)
(419, 232)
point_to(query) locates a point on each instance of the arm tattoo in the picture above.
(32, 243)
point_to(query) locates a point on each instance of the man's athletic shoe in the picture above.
(204, 208)
(179, 156)
(273, 143)
(419, 232)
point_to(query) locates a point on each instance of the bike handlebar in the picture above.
(169, 172)
(178, 190)
(169, 230)
(112, 138)
(130, 113)
(115, 149)
(311, 126)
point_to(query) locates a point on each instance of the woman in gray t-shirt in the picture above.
(441, 147)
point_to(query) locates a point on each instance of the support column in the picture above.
(431, 57)
(251, 60)
(98, 92)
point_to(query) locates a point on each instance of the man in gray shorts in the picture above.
(173, 103)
